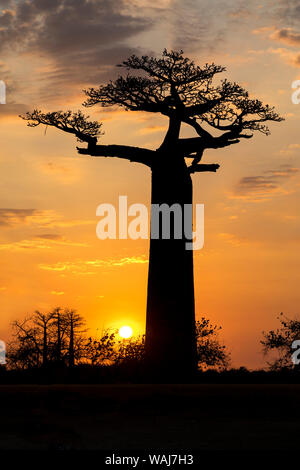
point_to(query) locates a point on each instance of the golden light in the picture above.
(125, 332)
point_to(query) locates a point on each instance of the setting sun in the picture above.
(125, 332)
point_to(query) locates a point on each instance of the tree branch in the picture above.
(201, 108)
(133, 154)
(201, 167)
(67, 121)
(199, 144)
(198, 128)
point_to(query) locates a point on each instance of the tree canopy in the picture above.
(221, 114)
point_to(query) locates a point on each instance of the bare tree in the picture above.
(59, 332)
(220, 115)
(25, 349)
(43, 320)
(55, 337)
(74, 322)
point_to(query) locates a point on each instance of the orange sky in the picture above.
(248, 271)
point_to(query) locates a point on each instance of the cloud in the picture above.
(12, 110)
(63, 173)
(80, 267)
(39, 243)
(54, 292)
(286, 11)
(76, 41)
(263, 30)
(262, 187)
(50, 236)
(6, 17)
(290, 149)
(287, 55)
(151, 129)
(134, 5)
(14, 217)
(59, 27)
(199, 26)
(233, 239)
(42, 218)
(287, 36)
(67, 45)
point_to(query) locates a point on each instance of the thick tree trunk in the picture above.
(170, 323)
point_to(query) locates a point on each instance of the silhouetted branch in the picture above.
(202, 167)
(72, 123)
(133, 154)
(232, 116)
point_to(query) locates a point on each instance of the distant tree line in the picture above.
(59, 338)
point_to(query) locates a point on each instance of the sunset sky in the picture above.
(248, 270)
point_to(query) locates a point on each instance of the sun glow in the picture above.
(125, 332)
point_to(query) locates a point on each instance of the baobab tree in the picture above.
(55, 337)
(43, 321)
(220, 115)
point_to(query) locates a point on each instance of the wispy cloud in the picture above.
(35, 217)
(287, 36)
(233, 239)
(151, 129)
(12, 110)
(69, 37)
(291, 149)
(198, 25)
(39, 243)
(62, 172)
(288, 56)
(261, 187)
(90, 266)
(55, 292)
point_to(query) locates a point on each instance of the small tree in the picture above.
(210, 352)
(43, 321)
(101, 351)
(280, 342)
(131, 350)
(75, 323)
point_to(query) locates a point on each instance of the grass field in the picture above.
(203, 417)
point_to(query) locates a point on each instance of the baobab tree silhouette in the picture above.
(221, 115)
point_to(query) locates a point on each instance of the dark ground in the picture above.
(172, 417)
